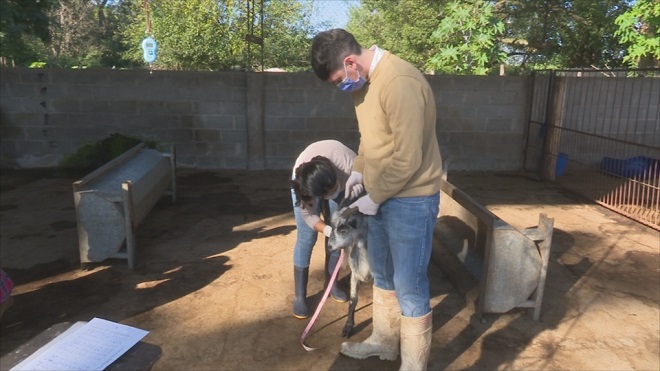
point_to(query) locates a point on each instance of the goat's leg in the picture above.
(352, 303)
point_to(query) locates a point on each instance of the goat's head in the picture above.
(348, 227)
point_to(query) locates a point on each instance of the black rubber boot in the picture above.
(337, 294)
(300, 276)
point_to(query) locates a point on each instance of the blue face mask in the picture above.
(349, 85)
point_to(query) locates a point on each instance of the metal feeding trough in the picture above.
(492, 264)
(114, 199)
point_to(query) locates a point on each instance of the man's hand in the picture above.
(327, 230)
(354, 185)
(366, 205)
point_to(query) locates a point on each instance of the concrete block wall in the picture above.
(49, 114)
(300, 109)
(481, 121)
(236, 120)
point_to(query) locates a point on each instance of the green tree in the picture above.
(287, 26)
(212, 34)
(638, 31)
(191, 34)
(467, 39)
(23, 29)
(74, 35)
(66, 33)
(561, 34)
(112, 17)
(403, 27)
(535, 34)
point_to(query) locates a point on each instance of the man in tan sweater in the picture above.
(400, 167)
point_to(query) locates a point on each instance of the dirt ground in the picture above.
(213, 281)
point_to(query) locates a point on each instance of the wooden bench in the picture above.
(114, 199)
(495, 266)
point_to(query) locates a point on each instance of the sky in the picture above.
(333, 11)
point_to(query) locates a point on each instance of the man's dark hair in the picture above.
(313, 179)
(329, 48)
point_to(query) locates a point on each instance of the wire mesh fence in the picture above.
(328, 14)
(597, 133)
(266, 48)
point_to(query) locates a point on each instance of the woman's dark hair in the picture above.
(313, 179)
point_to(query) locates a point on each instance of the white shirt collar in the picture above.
(378, 54)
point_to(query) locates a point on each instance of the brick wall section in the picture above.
(236, 120)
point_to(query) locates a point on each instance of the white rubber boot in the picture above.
(416, 341)
(385, 336)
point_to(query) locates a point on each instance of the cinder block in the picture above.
(193, 121)
(35, 76)
(504, 97)
(180, 136)
(515, 112)
(231, 108)
(277, 136)
(277, 163)
(226, 122)
(13, 104)
(127, 107)
(204, 135)
(65, 105)
(24, 119)
(499, 125)
(9, 133)
(232, 136)
(276, 108)
(21, 90)
(9, 74)
(284, 123)
(209, 107)
(332, 123)
(96, 106)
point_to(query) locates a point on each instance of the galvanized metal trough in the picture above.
(495, 266)
(115, 198)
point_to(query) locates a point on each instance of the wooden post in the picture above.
(128, 218)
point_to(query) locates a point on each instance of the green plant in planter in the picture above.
(92, 156)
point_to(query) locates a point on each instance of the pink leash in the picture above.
(325, 296)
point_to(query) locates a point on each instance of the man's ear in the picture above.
(350, 60)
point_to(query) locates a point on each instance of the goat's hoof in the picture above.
(347, 331)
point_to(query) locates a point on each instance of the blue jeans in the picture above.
(399, 246)
(306, 236)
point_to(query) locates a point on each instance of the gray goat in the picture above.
(349, 232)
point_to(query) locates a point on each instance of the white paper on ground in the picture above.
(84, 346)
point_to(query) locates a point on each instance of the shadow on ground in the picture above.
(213, 282)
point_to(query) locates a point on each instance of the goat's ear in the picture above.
(349, 211)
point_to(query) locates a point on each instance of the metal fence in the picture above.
(597, 133)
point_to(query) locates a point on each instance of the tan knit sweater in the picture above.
(399, 154)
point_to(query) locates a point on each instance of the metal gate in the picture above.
(597, 133)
